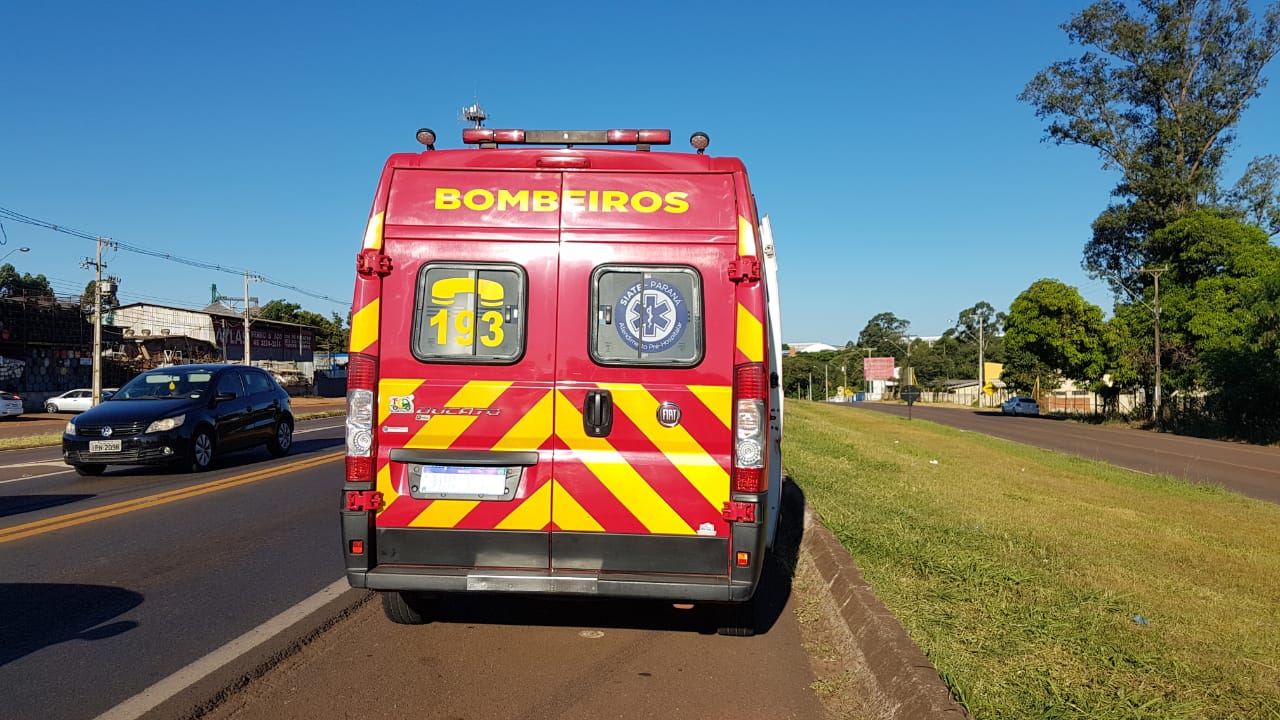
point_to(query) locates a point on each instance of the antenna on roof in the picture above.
(475, 114)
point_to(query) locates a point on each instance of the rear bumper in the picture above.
(613, 565)
(673, 588)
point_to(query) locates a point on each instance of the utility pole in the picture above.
(1155, 310)
(219, 298)
(982, 366)
(247, 336)
(98, 267)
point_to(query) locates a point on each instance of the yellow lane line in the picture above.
(60, 522)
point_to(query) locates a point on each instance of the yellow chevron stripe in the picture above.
(389, 494)
(746, 237)
(532, 430)
(680, 448)
(616, 473)
(750, 335)
(394, 386)
(364, 327)
(443, 430)
(718, 399)
(444, 513)
(533, 513)
(373, 231)
(568, 513)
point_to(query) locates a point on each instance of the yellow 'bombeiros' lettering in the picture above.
(481, 199)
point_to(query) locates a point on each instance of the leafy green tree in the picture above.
(887, 334)
(1158, 95)
(1216, 311)
(1052, 333)
(14, 285)
(331, 335)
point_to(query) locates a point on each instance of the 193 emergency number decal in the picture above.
(654, 316)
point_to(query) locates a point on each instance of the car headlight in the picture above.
(70, 429)
(166, 424)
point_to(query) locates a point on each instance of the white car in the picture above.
(10, 404)
(77, 400)
(1020, 406)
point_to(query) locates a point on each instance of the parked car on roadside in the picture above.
(77, 400)
(10, 404)
(182, 416)
(1020, 406)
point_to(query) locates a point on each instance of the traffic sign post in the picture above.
(911, 394)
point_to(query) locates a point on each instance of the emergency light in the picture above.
(489, 137)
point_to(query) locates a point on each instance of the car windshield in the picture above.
(166, 383)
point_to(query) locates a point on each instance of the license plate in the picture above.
(450, 480)
(96, 446)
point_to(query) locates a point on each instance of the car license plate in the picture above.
(451, 480)
(97, 446)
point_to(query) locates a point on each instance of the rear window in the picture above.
(646, 315)
(469, 313)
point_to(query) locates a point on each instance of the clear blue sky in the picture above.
(883, 139)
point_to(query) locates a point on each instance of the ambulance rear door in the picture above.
(467, 357)
(644, 375)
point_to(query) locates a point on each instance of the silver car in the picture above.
(10, 404)
(74, 401)
(1020, 406)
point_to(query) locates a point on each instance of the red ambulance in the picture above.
(563, 375)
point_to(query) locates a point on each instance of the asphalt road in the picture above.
(1247, 469)
(146, 594)
(113, 583)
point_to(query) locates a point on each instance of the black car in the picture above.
(181, 415)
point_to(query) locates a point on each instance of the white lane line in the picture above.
(149, 699)
(34, 477)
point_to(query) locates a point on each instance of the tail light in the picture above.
(362, 377)
(749, 425)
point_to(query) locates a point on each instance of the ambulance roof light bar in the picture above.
(491, 138)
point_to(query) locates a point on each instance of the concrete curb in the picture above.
(898, 670)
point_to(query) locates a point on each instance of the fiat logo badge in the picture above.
(668, 414)
(106, 431)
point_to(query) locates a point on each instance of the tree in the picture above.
(14, 285)
(1051, 333)
(1158, 97)
(331, 336)
(887, 334)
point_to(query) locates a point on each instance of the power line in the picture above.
(15, 216)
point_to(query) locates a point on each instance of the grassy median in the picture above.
(1043, 585)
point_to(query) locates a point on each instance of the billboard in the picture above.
(878, 368)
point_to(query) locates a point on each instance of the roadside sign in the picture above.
(910, 393)
(877, 368)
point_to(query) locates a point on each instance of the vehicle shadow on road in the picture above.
(19, 504)
(34, 616)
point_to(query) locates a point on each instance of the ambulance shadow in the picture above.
(34, 616)
(19, 504)
(771, 596)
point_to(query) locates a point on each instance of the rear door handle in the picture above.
(597, 413)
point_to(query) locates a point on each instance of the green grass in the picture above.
(1020, 571)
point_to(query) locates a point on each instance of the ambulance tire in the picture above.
(737, 619)
(406, 608)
